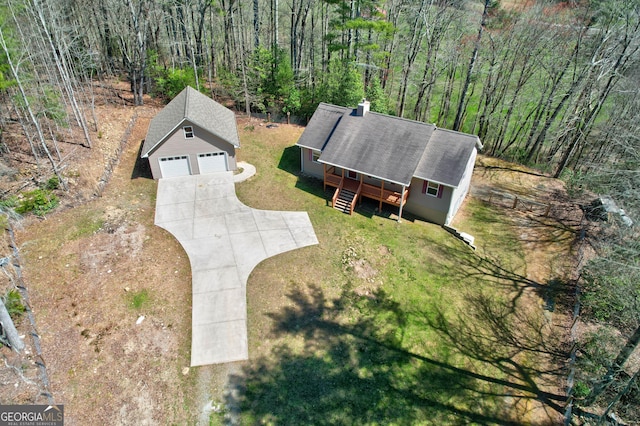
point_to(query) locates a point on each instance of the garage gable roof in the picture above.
(197, 108)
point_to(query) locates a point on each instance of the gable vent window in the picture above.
(188, 132)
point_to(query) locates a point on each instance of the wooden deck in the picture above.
(373, 192)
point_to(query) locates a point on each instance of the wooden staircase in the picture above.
(344, 201)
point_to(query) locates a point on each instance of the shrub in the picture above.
(172, 82)
(13, 302)
(581, 390)
(39, 201)
(53, 183)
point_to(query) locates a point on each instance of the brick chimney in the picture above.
(363, 108)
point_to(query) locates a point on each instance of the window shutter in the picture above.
(310, 155)
(424, 186)
(440, 189)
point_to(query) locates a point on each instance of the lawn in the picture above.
(386, 322)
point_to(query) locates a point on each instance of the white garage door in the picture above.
(175, 166)
(212, 162)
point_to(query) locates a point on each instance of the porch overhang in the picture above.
(373, 175)
(362, 189)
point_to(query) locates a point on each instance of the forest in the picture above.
(552, 85)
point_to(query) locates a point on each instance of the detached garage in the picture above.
(192, 135)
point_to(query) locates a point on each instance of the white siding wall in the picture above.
(461, 191)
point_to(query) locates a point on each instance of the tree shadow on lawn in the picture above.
(489, 269)
(556, 230)
(356, 370)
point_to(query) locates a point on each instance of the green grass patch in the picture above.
(9, 202)
(382, 322)
(139, 299)
(87, 223)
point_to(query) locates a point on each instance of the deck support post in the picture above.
(404, 188)
(324, 175)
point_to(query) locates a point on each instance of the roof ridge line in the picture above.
(186, 102)
(402, 118)
(458, 132)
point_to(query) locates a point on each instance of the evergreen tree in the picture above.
(344, 84)
(377, 97)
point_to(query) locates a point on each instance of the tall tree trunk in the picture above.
(183, 31)
(202, 17)
(415, 42)
(27, 106)
(138, 63)
(276, 29)
(457, 123)
(9, 329)
(64, 74)
(256, 24)
(535, 144)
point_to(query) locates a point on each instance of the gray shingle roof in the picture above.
(322, 124)
(387, 147)
(378, 145)
(197, 108)
(445, 159)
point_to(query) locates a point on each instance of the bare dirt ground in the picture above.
(548, 224)
(111, 292)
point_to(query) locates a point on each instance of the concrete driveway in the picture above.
(224, 240)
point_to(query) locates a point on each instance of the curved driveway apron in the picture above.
(224, 240)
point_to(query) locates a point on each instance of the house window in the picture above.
(431, 188)
(188, 132)
(352, 175)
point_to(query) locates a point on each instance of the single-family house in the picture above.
(192, 134)
(405, 163)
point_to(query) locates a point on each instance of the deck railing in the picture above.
(355, 198)
(375, 192)
(337, 193)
